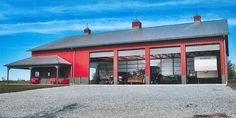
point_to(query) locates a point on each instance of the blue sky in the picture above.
(25, 24)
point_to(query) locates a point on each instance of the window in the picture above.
(36, 73)
(49, 74)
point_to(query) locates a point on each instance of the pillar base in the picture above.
(83, 80)
(147, 79)
(184, 79)
(78, 80)
(115, 80)
(223, 79)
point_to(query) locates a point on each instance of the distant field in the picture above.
(15, 86)
(15, 82)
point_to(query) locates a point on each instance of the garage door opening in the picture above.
(131, 66)
(165, 65)
(101, 68)
(203, 64)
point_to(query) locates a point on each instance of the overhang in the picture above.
(42, 61)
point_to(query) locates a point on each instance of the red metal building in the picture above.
(191, 53)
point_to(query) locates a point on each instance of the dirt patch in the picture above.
(191, 105)
(67, 108)
(52, 113)
(217, 115)
(232, 85)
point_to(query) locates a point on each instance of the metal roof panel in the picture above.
(158, 33)
(41, 60)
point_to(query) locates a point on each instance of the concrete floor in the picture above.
(164, 101)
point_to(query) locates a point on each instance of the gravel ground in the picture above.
(163, 101)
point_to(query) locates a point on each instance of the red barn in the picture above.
(187, 53)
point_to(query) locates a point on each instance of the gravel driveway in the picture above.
(164, 101)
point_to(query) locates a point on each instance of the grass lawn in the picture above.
(15, 86)
(232, 83)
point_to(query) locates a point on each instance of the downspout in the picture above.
(226, 59)
(73, 66)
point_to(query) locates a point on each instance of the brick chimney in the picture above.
(136, 24)
(87, 31)
(197, 18)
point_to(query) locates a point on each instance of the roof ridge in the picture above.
(142, 28)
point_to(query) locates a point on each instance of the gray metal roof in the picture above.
(39, 61)
(158, 33)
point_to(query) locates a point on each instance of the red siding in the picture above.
(115, 61)
(44, 72)
(147, 61)
(65, 54)
(222, 57)
(183, 59)
(82, 64)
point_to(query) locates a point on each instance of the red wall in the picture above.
(65, 54)
(44, 72)
(81, 64)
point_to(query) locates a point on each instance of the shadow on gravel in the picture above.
(52, 113)
(217, 115)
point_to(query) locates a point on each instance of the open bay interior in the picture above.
(165, 65)
(203, 64)
(101, 68)
(131, 66)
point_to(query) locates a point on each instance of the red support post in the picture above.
(115, 65)
(183, 63)
(223, 62)
(147, 62)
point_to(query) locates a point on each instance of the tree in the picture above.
(231, 70)
(3, 78)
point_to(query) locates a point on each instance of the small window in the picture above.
(36, 73)
(49, 74)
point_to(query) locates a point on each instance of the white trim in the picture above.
(197, 48)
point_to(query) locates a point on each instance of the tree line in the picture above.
(231, 70)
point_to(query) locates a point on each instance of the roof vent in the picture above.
(136, 24)
(87, 31)
(197, 18)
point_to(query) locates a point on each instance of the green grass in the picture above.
(14, 82)
(232, 83)
(16, 86)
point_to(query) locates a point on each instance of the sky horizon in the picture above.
(27, 24)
